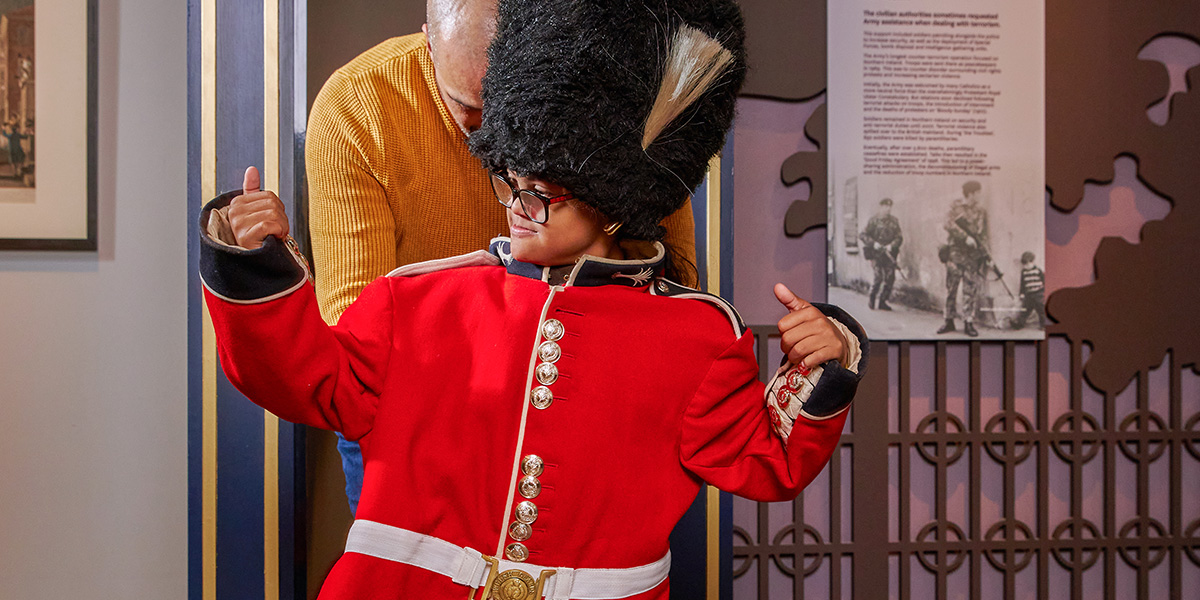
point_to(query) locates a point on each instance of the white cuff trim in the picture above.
(276, 296)
(853, 347)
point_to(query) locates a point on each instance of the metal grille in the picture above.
(1007, 476)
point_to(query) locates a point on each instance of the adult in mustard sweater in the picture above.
(391, 180)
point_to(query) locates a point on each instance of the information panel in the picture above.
(937, 167)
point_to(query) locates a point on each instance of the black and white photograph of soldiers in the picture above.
(938, 258)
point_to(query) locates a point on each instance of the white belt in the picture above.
(468, 567)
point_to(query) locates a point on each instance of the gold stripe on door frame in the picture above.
(270, 181)
(208, 189)
(712, 222)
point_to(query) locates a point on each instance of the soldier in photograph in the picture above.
(966, 257)
(881, 244)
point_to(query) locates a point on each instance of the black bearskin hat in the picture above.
(569, 87)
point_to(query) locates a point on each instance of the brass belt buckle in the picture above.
(513, 584)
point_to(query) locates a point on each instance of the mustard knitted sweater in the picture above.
(391, 181)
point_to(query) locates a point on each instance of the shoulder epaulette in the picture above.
(478, 258)
(666, 287)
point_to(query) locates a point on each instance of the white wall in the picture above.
(93, 473)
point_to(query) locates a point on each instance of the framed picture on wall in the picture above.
(47, 125)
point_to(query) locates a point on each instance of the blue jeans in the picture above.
(352, 466)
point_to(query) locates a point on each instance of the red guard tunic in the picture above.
(559, 417)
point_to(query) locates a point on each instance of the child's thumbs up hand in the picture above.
(256, 214)
(808, 338)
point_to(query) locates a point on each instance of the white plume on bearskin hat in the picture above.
(621, 102)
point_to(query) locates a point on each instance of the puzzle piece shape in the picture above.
(801, 165)
(1118, 208)
(810, 167)
(1097, 91)
(1139, 305)
(1142, 303)
(1177, 54)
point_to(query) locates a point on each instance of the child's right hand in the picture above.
(256, 214)
(806, 335)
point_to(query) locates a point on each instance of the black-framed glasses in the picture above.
(535, 206)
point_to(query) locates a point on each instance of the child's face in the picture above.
(571, 228)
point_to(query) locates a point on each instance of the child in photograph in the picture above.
(536, 417)
(1032, 293)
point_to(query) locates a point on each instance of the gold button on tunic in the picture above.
(519, 531)
(516, 552)
(527, 512)
(549, 351)
(532, 465)
(530, 487)
(541, 397)
(553, 330)
(546, 373)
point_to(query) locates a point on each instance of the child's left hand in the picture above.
(809, 339)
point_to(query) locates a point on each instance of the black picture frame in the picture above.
(87, 242)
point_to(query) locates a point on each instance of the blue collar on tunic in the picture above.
(590, 270)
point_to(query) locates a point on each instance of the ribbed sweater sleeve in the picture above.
(352, 228)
